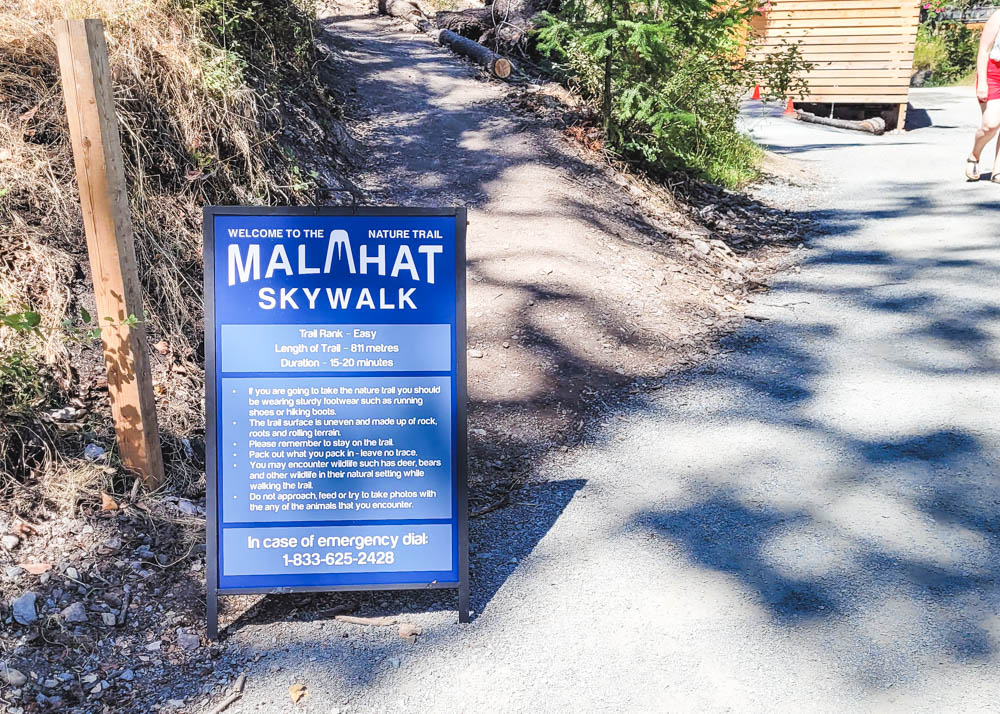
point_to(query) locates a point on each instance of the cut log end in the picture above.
(501, 67)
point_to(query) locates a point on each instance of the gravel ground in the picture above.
(807, 523)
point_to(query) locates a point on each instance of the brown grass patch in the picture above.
(197, 89)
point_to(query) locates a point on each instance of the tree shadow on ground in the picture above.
(524, 523)
(875, 483)
(940, 546)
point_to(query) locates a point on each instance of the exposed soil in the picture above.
(583, 279)
(585, 283)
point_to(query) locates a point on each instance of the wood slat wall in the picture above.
(862, 49)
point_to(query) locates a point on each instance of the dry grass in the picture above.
(197, 126)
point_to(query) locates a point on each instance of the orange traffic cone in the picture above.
(756, 92)
(789, 108)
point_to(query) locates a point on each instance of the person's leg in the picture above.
(995, 171)
(987, 127)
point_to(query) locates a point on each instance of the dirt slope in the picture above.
(580, 278)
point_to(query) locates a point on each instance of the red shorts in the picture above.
(992, 80)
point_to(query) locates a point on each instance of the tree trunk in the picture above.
(609, 46)
(482, 56)
(875, 125)
(502, 26)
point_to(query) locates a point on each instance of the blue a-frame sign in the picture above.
(335, 400)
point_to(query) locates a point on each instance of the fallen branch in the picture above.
(875, 125)
(337, 610)
(496, 505)
(234, 694)
(483, 56)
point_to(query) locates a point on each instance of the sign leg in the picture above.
(212, 614)
(464, 606)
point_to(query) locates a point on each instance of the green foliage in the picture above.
(255, 36)
(929, 53)
(670, 78)
(21, 321)
(23, 386)
(947, 49)
(86, 327)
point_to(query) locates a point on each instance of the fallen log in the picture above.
(408, 10)
(483, 56)
(504, 25)
(412, 12)
(875, 125)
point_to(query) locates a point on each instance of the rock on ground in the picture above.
(24, 608)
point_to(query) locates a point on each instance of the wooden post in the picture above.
(901, 117)
(93, 128)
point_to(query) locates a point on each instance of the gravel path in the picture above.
(808, 523)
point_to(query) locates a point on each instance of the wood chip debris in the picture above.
(296, 692)
(235, 693)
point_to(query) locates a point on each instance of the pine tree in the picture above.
(669, 77)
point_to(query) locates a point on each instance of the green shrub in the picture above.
(929, 53)
(669, 79)
(948, 50)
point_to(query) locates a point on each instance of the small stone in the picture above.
(24, 608)
(72, 573)
(506, 345)
(97, 689)
(74, 613)
(44, 578)
(154, 646)
(11, 676)
(187, 508)
(188, 641)
(12, 573)
(109, 619)
(127, 675)
(393, 662)
(476, 354)
(10, 541)
(175, 703)
(50, 683)
(112, 544)
(93, 452)
(702, 247)
(89, 679)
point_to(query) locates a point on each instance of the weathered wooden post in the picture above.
(93, 127)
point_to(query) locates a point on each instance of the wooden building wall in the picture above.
(862, 49)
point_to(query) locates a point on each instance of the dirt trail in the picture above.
(581, 285)
(575, 281)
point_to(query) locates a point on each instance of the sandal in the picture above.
(972, 169)
(995, 177)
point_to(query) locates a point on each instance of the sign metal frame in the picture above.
(460, 393)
